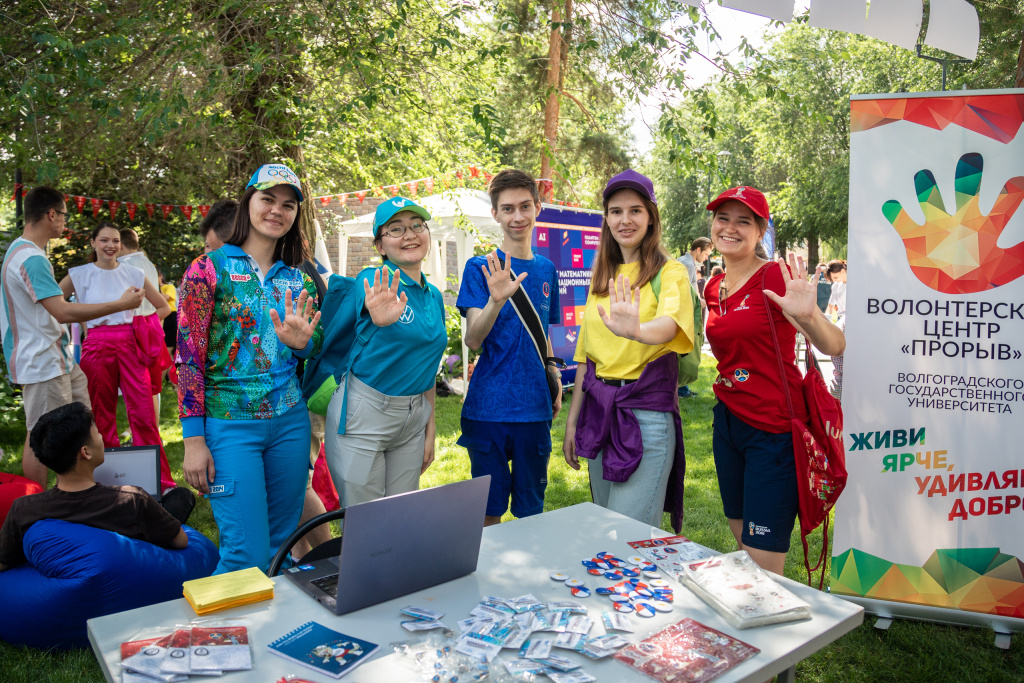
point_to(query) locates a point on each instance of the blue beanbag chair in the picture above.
(76, 572)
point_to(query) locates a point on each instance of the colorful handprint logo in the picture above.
(957, 253)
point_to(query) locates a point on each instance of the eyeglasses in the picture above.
(398, 229)
(62, 213)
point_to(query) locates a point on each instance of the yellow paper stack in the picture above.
(222, 591)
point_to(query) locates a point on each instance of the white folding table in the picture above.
(515, 558)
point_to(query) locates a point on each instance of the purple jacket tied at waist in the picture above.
(607, 423)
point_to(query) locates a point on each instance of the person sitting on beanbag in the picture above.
(66, 441)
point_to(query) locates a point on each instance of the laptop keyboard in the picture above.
(328, 584)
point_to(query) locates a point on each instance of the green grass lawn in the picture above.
(907, 651)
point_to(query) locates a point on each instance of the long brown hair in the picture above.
(288, 248)
(609, 255)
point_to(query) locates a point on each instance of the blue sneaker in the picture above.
(685, 392)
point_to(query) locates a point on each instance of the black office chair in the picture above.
(326, 549)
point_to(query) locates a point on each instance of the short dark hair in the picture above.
(512, 179)
(220, 218)
(41, 200)
(698, 243)
(129, 238)
(60, 434)
(289, 248)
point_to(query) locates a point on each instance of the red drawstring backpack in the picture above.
(818, 450)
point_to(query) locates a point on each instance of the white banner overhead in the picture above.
(780, 10)
(896, 21)
(840, 15)
(953, 27)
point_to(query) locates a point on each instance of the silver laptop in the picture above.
(398, 545)
(131, 466)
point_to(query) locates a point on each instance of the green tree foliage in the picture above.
(786, 124)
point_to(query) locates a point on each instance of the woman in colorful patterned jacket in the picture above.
(246, 314)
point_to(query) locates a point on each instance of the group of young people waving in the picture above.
(248, 315)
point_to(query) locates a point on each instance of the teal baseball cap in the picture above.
(388, 209)
(269, 175)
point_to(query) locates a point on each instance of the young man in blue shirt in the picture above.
(506, 419)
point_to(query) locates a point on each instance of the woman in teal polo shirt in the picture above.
(380, 437)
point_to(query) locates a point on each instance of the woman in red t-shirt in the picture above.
(752, 442)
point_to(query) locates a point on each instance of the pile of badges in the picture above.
(522, 626)
(631, 593)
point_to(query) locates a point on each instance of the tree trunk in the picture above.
(1019, 80)
(812, 252)
(551, 108)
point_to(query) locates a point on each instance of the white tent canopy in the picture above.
(455, 214)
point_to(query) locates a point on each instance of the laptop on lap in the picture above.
(398, 545)
(131, 466)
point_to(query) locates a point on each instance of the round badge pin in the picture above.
(580, 592)
(637, 560)
(603, 554)
(649, 567)
(667, 597)
(661, 605)
(671, 551)
(651, 574)
(595, 572)
(618, 597)
(603, 565)
(613, 576)
(660, 583)
(623, 607)
(644, 593)
(559, 576)
(619, 589)
(604, 590)
(644, 609)
(589, 564)
(572, 583)
(631, 573)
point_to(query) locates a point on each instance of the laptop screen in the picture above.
(131, 466)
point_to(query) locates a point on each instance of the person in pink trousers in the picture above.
(110, 354)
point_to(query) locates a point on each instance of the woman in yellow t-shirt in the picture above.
(624, 415)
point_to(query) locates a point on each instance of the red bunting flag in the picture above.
(17, 188)
(361, 195)
(131, 206)
(114, 206)
(474, 171)
(413, 187)
(96, 204)
(394, 190)
(429, 185)
(203, 209)
(167, 208)
(150, 208)
(344, 198)
(66, 198)
(324, 201)
(547, 186)
(187, 210)
(80, 204)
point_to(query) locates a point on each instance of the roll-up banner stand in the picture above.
(930, 525)
(569, 238)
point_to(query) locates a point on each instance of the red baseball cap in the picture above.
(751, 196)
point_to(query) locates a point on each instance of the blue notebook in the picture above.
(323, 649)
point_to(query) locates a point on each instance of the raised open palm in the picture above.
(499, 277)
(957, 253)
(382, 301)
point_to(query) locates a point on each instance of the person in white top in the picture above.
(836, 273)
(151, 341)
(36, 344)
(111, 356)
